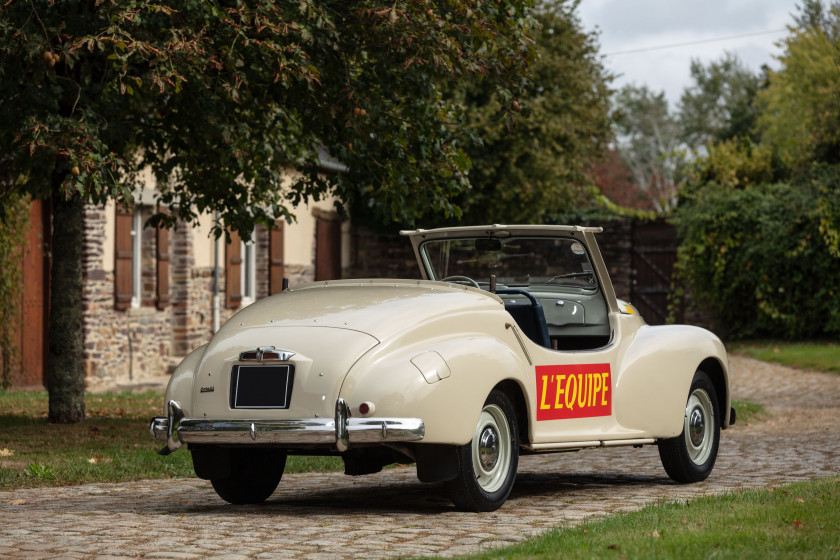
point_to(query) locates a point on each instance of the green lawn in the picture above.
(820, 356)
(112, 445)
(797, 521)
(747, 412)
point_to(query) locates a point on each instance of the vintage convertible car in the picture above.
(513, 343)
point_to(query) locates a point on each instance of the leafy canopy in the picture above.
(760, 220)
(220, 99)
(719, 105)
(800, 108)
(540, 168)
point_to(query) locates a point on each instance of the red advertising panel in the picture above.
(573, 391)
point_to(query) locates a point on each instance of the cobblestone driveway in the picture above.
(390, 514)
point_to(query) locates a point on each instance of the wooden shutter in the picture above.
(123, 249)
(328, 250)
(233, 271)
(276, 268)
(162, 270)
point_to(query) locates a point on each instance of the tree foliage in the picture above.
(221, 99)
(731, 164)
(539, 168)
(759, 221)
(719, 105)
(648, 138)
(800, 108)
(764, 259)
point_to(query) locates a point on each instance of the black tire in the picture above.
(254, 475)
(690, 456)
(487, 464)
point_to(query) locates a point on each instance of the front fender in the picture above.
(656, 373)
(180, 387)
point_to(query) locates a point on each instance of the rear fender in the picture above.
(180, 387)
(449, 407)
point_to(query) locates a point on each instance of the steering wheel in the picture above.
(458, 278)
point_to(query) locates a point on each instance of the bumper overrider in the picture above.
(339, 431)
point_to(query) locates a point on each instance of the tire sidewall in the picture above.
(468, 493)
(254, 475)
(674, 452)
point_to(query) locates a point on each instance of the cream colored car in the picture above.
(513, 343)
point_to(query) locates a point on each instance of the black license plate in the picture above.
(261, 386)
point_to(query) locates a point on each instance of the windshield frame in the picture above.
(578, 268)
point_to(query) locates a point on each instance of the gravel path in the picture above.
(391, 514)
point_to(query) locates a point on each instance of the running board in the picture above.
(575, 445)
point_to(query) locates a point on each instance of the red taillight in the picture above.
(364, 409)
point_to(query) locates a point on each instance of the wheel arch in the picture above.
(714, 369)
(516, 395)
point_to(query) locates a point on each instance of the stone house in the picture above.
(152, 295)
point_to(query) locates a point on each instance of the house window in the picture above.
(129, 277)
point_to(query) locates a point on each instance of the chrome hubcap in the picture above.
(491, 448)
(699, 425)
(488, 448)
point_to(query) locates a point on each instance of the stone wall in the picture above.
(126, 346)
(119, 346)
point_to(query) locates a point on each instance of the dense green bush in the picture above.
(765, 259)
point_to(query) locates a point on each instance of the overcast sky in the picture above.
(628, 25)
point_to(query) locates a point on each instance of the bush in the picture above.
(764, 259)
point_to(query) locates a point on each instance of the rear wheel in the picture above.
(254, 475)
(487, 464)
(690, 456)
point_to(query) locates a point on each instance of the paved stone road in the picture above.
(390, 514)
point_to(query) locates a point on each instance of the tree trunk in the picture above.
(66, 380)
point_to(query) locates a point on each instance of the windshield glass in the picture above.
(515, 261)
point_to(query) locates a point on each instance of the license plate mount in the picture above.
(263, 386)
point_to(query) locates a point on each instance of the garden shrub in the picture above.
(765, 259)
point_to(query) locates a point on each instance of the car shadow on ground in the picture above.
(418, 498)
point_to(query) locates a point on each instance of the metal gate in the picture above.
(654, 255)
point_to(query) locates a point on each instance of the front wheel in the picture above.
(690, 456)
(254, 475)
(487, 464)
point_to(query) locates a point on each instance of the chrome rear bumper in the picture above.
(340, 431)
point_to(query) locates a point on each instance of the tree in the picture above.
(759, 221)
(720, 103)
(538, 169)
(220, 99)
(800, 108)
(648, 140)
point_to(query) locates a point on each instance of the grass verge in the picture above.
(796, 521)
(820, 356)
(112, 445)
(747, 412)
